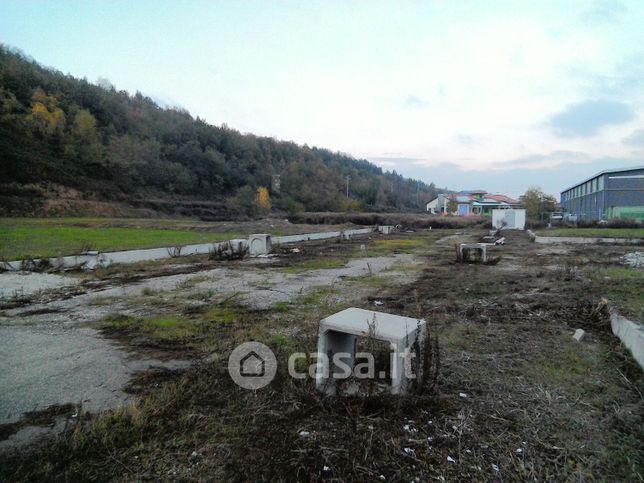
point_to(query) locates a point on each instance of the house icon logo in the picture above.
(252, 365)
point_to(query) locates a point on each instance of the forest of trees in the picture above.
(55, 128)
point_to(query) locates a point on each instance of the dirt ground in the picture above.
(516, 397)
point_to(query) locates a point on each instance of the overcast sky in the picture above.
(484, 94)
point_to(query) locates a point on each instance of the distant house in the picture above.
(470, 203)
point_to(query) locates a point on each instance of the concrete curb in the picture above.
(583, 240)
(630, 333)
(92, 260)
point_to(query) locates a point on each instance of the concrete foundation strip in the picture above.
(94, 259)
(630, 333)
(584, 240)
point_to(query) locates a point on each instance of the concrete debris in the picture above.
(579, 335)
(235, 249)
(634, 259)
(500, 241)
(470, 252)
(377, 303)
(386, 229)
(259, 244)
(630, 333)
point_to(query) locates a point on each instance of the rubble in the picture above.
(634, 259)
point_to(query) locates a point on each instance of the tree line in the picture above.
(55, 128)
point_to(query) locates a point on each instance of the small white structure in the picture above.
(237, 245)
(470, 247)
(386, 229)
(508, 219)
(339, 332)
(259, 244)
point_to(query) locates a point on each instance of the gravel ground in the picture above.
(50, 355)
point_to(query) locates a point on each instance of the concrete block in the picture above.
(579, 335)
(631, 334)
(386, 229)
(339, 333)
(259, 244)
(511, 219)
(468, 248)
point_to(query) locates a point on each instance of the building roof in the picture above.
(606, 171)
(487, 199)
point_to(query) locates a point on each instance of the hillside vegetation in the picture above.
(66, 138)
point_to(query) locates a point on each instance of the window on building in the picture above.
(600, 182)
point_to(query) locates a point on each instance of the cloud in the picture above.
(414, 102)
(636, 138)
(389, 162)
(539, 161)
(606, 12)
(586, 118)
(466, 140)
(624, 80)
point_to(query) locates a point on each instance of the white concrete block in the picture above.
(386, 229)
(339, 332)
(259, 244)
(508, 219)
(579, 335)
(631, 334)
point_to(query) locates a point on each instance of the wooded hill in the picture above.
(56, 130)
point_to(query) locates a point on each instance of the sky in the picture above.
(494, 95)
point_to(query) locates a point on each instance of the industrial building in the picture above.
(615, 193)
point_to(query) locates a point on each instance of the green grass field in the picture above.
(623, 285)
(22, 238)
(595, 232)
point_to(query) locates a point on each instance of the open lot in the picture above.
(516, 397)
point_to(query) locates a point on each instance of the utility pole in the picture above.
(348, 178)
